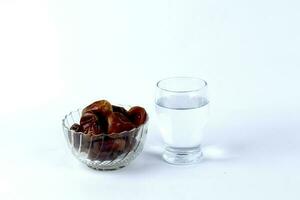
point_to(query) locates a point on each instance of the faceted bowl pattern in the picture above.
(104, 151)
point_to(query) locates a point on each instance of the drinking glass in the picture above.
(182, 109)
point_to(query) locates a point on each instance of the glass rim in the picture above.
(182, 77)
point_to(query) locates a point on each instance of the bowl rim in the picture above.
(112, 135)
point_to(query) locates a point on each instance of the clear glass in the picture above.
(104, 151)
(182, 108)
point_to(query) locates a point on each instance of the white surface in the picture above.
(58, 55)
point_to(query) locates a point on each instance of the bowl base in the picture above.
(98, 165)
(107, 169)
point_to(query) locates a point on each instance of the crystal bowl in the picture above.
(104, 151)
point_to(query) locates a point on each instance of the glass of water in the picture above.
(182, 109)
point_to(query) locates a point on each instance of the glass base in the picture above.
(182, 156)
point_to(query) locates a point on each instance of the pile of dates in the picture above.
(106, 131)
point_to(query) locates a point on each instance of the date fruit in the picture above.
(90, 123)
(107, 149)
(117, 122)
(120, 110)
(76, 127)
(137, 115)
(102, 108)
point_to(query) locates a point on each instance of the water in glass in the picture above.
(181, 120)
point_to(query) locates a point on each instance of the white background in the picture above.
(58, 55)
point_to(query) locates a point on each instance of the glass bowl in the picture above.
(104, 151)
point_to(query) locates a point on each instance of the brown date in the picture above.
(90, 123)
(102, 108)
(107, 149)
(120, 110)
(76, 127)
(117, 122)
(75, 137)
(137, 115)
(119, 145)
